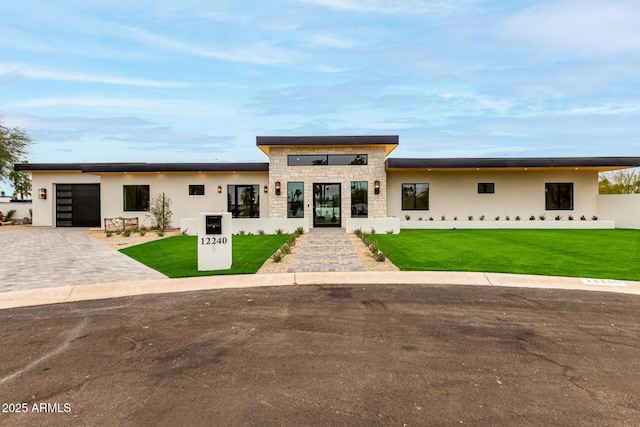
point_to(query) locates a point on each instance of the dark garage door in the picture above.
(78, 205)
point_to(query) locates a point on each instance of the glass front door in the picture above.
(326, 205)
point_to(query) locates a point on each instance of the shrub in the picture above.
(443, 218)
(558, 217)
(583, 218)
(379, 256)
(160, 212)
(419, 218)
(570, 217)
(10, 213)
(407, 217)
(517, 217)
(595, 218)
(279, 231)
(470, 217)
(498, 218)
(143, 231)
(277, 256)
(389, 231)
(126, 233)
(285, 249)
(507, 218)
(532, 218)
(455, 218)
(358, 232)
(373, 248)
(299, 231)
(481, 217)
(430, 218)
(241, 232)
(373, 231)
(260, 232)
(109, 233)
(542, 217)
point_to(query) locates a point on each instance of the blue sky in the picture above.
(196, 81)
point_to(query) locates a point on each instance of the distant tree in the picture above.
(21, 183)
(13, 148)
(625, 181)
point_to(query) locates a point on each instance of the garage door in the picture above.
(78, 205)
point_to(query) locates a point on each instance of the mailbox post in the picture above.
(214, 241)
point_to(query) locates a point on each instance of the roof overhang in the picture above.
(265, 143)
(97, 168)
(600, 164)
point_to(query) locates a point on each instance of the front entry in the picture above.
(326, 205)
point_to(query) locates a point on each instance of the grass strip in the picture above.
(605, 254)
(178, 256)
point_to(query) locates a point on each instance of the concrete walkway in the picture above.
(326, 249)
(42, 257)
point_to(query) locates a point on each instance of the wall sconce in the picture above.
(265, 189)
(219, 189)
(277, 188)
(376, 187)
(42, 193)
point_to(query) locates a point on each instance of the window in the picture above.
(196, 190)
(243, 201)
(359, 199)
(415, 197)
(559, 196)
(327, 159)
(295, 200)
(136, 197)
(486, 188)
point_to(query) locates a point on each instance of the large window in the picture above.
(244, 201)
(295, 200)
(415, 197)
(136, 197)
(359, 199)
(327, 159)
(559, 196)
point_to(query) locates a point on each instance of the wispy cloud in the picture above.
(394, 7)
(36, 73)
(256, 53)
(578, 26)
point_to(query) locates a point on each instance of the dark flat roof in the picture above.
(603, 163)
(265, 142)
(144, 167)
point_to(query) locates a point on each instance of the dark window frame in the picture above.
(359, 196)
(415, 195)
(327, 160)
(141, 198)
(236, 208)
(193, 189)
(486, 188)
(559, 196)
(295, 201)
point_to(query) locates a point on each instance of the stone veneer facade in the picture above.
(373, 171)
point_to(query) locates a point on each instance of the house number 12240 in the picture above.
(213, 240)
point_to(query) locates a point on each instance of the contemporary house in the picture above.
(340, 181)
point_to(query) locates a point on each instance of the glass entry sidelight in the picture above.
(326, 205)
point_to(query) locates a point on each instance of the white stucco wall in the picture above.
(624, 209)
(21, 208)
(44, 210)
(176, 187)
(455, 193)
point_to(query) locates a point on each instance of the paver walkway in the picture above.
(47, 257)
(327, 249)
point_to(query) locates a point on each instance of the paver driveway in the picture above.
(46, 257)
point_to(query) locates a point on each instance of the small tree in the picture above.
(160, 213)
(21, 183)
(13, 148)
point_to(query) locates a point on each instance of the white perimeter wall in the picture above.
(520, 193)
(623, 208)
(176, 187)
(21, 208)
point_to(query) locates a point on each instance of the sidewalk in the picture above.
(63, 294)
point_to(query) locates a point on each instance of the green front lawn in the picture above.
(605, 254)
(178, 256)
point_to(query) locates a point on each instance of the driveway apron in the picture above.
(48, 257)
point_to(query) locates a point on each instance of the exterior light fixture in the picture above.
(265, 189)
(277, 188)
(219, 189)
(376, 187)
(42, 193)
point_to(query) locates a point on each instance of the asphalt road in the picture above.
(388, 355)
